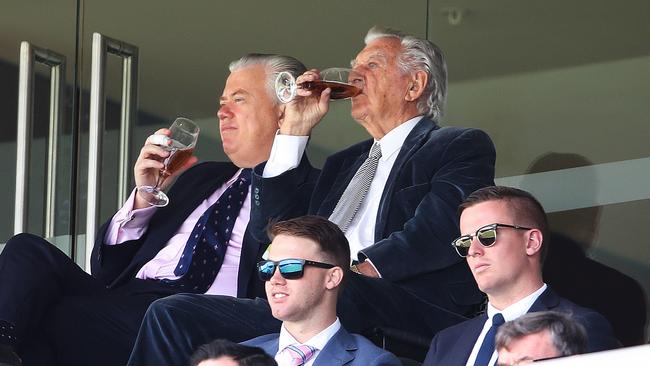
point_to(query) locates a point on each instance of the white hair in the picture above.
(420, 55)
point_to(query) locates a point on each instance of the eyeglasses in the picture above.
(486, 235)
(290, 269)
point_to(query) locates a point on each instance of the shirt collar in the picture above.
(517, 309)
(394, 139)
(318, 341)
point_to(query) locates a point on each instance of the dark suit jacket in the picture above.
(117, 264)
(453, 345)
(342, 349)
(436, 168)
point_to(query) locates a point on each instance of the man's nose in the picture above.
(475, 248)
(356, 77)
(224, 112)
(277, 277)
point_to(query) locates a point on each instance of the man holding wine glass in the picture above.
(196, 240)
(394, 196)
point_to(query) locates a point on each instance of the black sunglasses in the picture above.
(290, 269)
(486, 235)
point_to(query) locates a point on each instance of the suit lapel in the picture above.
(415, 139)
(340, 350)
(546, 301)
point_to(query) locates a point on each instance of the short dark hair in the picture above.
(526, 209)
(244, 355)
(326, 234)
(567, 335)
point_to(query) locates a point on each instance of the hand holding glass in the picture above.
(183, 136)
(337, 79)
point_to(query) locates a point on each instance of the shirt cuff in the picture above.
(127, 223)
(285, 155)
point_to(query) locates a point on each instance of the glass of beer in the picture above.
(183, 137)
(337, 79)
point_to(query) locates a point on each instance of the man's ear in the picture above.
(334, 278)
(534, 242)
(417, 83)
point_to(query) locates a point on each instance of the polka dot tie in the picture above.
(206, 247)
(300, 353)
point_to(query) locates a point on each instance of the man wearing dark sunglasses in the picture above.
(307, 266)
(503, 242)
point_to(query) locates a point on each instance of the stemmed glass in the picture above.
(183, 137)
(337, 79)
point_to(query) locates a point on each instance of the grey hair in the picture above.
(273, 64)
(567, 335)
(420, 55)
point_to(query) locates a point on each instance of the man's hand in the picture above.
(150, 162)
(367, 269)
(304, 112)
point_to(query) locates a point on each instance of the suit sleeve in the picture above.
(423, 243)
(282, 197)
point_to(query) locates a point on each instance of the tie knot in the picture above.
(497, 319)
(375, 151)
(245, 175)
(300, 353)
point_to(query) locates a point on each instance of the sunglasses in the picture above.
(290, 269)
(486, 235)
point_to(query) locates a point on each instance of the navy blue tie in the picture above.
(206, 247)
(487, 347)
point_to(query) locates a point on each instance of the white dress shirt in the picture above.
(318, 342)
(129, 224)
(512, 312)
(288, 150)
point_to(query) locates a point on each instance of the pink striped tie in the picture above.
(300, 353)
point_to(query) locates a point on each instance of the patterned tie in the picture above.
(356, 191)
(206, 246)
(487, 347)
(300, 353)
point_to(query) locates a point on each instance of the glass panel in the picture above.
(49, 25)
(562, 88)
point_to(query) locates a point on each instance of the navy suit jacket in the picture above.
(436, 168)
(452, 346)
(342, 349)
(116, 264)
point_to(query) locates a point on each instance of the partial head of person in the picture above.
(401, 76)
(502, 236)
(308, 260)
(222, 352)
(539, 336)
(249, 111)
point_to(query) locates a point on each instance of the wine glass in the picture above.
(336, 78)
(183, 137)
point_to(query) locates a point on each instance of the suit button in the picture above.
(257, 190)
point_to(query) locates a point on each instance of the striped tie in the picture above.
(356, 191)
(300, 353)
